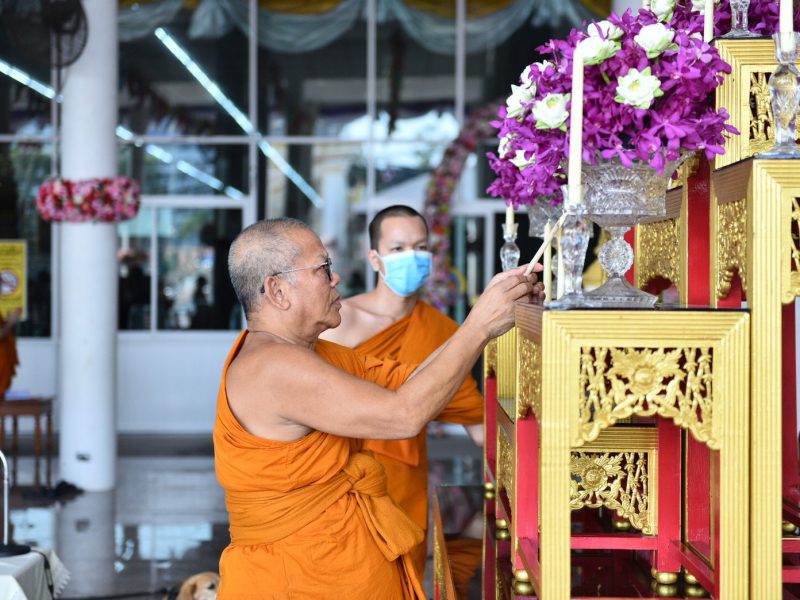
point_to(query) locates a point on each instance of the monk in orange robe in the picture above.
(8, 350)
(392, 321)
(309, 513)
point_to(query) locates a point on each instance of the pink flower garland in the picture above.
(107, 200)
(444, 286)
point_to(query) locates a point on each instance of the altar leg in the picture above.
(667, 559)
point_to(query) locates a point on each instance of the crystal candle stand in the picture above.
(739, 25)
(509, 253)
(784, 91)
(574, 240)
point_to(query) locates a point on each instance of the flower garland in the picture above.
(100, 200)
(445, 285)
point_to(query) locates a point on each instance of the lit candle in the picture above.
(509, 220)
(708, 21)
(547, 274)
(786, 23)
(560, 282)
(576, 129)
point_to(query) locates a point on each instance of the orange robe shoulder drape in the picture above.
(8, 360)
(311, 518)
(410, 341)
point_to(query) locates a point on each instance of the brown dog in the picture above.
(202, 586)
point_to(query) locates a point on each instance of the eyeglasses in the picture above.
(327, 266)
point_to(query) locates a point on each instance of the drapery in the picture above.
(288, 27)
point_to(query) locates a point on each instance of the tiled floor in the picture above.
(165, 521)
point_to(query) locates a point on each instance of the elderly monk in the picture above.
(309, 513)
(393, 322)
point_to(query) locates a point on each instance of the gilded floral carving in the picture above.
(674, 383)
(505, 464)
(731, 250)
(658, 254)
(795, 249)
(530, 378)
(618, 481)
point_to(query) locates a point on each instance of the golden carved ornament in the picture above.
(617, 480)
(657, 251)
(438, 567)
(505, 464)
(674, 383)
(731, 246)
(762, 129)
(529, 394)
(490, 359)
(794, 278)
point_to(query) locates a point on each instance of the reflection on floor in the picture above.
(165, 521)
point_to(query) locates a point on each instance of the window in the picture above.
(231, 112)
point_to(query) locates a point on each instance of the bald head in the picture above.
(262, 249)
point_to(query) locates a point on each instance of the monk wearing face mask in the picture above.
(393, 322)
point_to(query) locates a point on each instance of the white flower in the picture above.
(77, 199)
(515, 104)
(605, 30)
(596, 50)
(638, 88)
(543, 65)
(527, 81)
(551, 112)
(655, 38)
(504, 147)
(663, 9)
(520, 161)
(699, 6)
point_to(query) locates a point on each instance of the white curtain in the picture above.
(292, 34)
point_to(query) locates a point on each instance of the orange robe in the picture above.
(8, 360)
(410, 341)
(311, 518)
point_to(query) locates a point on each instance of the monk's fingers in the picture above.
(511, 282)
(506, 276)
(522, 287)
(538, 292)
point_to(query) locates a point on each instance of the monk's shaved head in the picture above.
(265, 248)
(398, 210)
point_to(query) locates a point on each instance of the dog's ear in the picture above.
(187, 591)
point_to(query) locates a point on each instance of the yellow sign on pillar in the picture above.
(13, 277)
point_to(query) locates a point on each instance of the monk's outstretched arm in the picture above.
(303, 389)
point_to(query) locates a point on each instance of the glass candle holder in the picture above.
(784, 91)
(739, 25)
(509, 253)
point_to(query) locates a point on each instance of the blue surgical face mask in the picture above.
(407, 271)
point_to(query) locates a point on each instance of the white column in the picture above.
(88, 268)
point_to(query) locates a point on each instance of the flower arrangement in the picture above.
(444, 285)
(647, 97)
(106, 200)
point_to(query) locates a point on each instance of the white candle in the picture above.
(576, 129)
(560, 282)
(786, 23)
(509, 220)
(547, 274)
(708, 21)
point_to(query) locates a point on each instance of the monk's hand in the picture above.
(494, 310)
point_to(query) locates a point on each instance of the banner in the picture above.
(13, 277)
